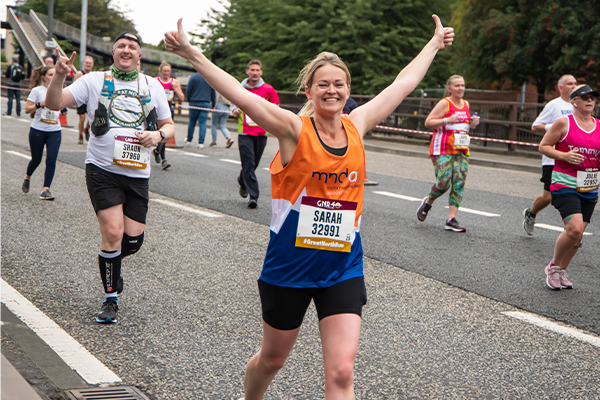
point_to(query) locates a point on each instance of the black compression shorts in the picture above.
(82, 109)
(571, 203)
(547, 176)
(284, 307)
(107, 190)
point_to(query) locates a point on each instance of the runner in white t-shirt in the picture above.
(44, 131)
(555, 109)
(128, 114)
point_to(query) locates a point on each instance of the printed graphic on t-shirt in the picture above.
(126, 109)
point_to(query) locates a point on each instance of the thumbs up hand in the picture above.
(445, 36)
(177, 41)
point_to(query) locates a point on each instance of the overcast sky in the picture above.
(153, 18)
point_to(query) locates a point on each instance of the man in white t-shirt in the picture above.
(128, 114)
(555, 109)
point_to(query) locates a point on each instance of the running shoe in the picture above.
(423, 210)
(200, 146)
(528, 222)
(156, 156)
(565, 283)
(25, 186)
(229, 143)
(108, 315)
(165, 164)
(86, 130)
(243, 192)
(454, 226)
(252, 203)
(212, 144)
(45, 195)
(186, 143)
(553, 277)
(80, 141)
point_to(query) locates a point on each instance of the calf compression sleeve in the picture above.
(110, 270)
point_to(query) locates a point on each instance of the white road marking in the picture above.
(397, 196)
(266, 169)
(16, 153)
(72, 353)
(471, 211)
(556, 228)
(189, 209)
(195, 154)
(171, 150)
(8, 116)
(231, 161)
(72, 130)
(23, 120)
(555, 327)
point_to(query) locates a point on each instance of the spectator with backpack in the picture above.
(15, 75)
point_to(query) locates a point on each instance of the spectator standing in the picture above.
(199, 94)
(15, 75)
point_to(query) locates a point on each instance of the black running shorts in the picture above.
(547, 176)
(571, 203)
(107, 190)
(284, 307)
(82, 109)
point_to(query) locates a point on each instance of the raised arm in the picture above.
(279, 122)
(372, 113)
(58, 98)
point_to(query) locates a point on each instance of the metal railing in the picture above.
(24, 41)
(40, 29)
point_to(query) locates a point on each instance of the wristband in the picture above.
(38, 105)
(547, 127)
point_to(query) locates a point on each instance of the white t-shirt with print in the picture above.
(44, 120)
(554, 110)
(125, 117)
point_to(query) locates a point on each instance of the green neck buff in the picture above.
(124, 76)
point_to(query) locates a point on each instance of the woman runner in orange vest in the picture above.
(315, 251)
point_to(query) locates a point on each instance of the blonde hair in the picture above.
(449, 82)
(308, 73)
(164, 64)
(37, 75)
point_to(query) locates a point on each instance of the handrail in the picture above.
(42, 32)
(25, 41)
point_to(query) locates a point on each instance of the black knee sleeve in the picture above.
(110, 271)
(131, 244)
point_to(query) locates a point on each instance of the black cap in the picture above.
(583, 90)
(129, 36)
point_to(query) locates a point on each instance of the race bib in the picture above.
(326, 224)
(49, 117)
(129, 153)
(461, 141)
(170, 94)
(588, 180)
(249, 121)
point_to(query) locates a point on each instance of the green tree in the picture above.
(375, 38)
(533, 41)
(103, 19)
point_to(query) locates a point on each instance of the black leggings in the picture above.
(37, 140)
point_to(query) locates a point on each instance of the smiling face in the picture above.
(48, 77)
(88, 64)
(165, 73)
(329, 89)
(126, 54)
(457, 88)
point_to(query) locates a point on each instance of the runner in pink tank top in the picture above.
(574, 142)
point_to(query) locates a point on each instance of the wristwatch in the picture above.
(38, 105)
(162, 135)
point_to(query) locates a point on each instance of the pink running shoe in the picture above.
(564, 280)
(553, 277)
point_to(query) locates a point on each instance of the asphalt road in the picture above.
(190, 318)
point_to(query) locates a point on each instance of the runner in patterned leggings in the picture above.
(315, 251)
(574, 143)
(449, 150)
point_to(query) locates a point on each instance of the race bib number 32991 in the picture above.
(588, 180)
(326, 224)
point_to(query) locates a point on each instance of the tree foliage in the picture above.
(103, 20)
(533, 41)
(375, 38)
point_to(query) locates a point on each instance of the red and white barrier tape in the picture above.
(16, 88)
(472, 137)
(202, 108)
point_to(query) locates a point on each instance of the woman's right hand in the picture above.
(573, 157)
(452, 119)
(177, 42)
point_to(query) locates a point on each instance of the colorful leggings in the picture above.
(450, 173)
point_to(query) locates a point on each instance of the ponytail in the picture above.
(37, 75)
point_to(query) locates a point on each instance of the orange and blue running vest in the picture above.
(316, 213)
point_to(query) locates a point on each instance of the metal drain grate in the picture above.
(109, 393)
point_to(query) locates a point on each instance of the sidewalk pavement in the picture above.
(14, 386)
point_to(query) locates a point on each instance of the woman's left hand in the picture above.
(475, 122)
(445, 36)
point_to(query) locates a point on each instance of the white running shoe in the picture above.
(200, 146)
(528, 221)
